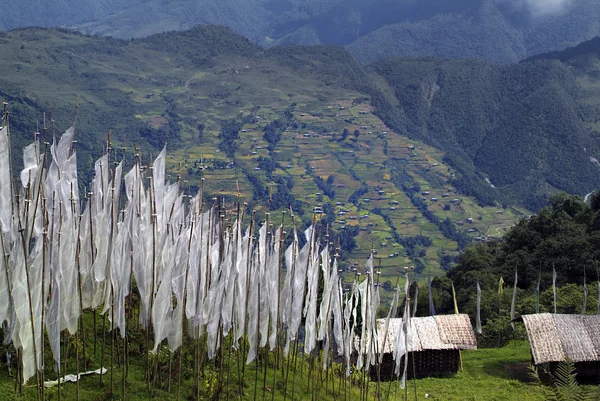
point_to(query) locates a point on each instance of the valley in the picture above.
(331, 152)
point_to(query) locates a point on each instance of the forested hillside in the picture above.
(496, 30)
(412, 157)
(564, 237)
(515, 124)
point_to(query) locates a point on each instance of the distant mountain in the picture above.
(59, 13)
(288, 127)
(502, 31)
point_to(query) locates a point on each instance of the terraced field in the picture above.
(210, 95)
(313, 148)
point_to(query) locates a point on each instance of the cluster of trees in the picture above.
(283, 197)
(564, 237)
(358, 194)
(273, 131)
(325, 185)
(412, 189)
(230, 131)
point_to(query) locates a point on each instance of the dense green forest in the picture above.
(515, 124)
(564, 236)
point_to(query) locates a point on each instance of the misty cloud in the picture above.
(540, 8)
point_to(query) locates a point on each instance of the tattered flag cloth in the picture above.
(478, 317)
(73, 378)
(585, 293)
(454, 299)
(537, 293)
(514, 301)
(554, 288)
(431, 306)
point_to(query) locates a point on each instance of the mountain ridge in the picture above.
(496, 31)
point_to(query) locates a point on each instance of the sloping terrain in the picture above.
(278, 129)
(522, 126)
(413, 158)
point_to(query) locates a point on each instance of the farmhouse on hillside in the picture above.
(556, 337)
(434, 345)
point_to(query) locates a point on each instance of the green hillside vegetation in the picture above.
(282, 128)
(307, 127)
(564, 236)
(533, 111)
(415, 158)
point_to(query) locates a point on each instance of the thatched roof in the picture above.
(457, 329)
(428, 333)
(556, 337)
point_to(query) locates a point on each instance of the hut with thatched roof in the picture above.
(554, 338)
(433, 345)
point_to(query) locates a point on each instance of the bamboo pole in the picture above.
(44, 255)
(124, 367)
(16, 205)
(80, 291)
(44, 261)
(197, 342)
(292, 272)
(153, 288)
(28, 278)
(112, 338)
(107, 280)
(278, 324)
(257, 333)
(10, 296)
(184, 302)
(93, 258)
(248, 262)
(220, 338)
(54, 272)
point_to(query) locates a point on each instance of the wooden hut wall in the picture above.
(587, 372)
(426, 364)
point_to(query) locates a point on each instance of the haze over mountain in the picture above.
(495, 30)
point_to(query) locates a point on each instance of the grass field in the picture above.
(488, 374)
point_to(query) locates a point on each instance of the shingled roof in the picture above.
(556, 337)
(429, 333)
